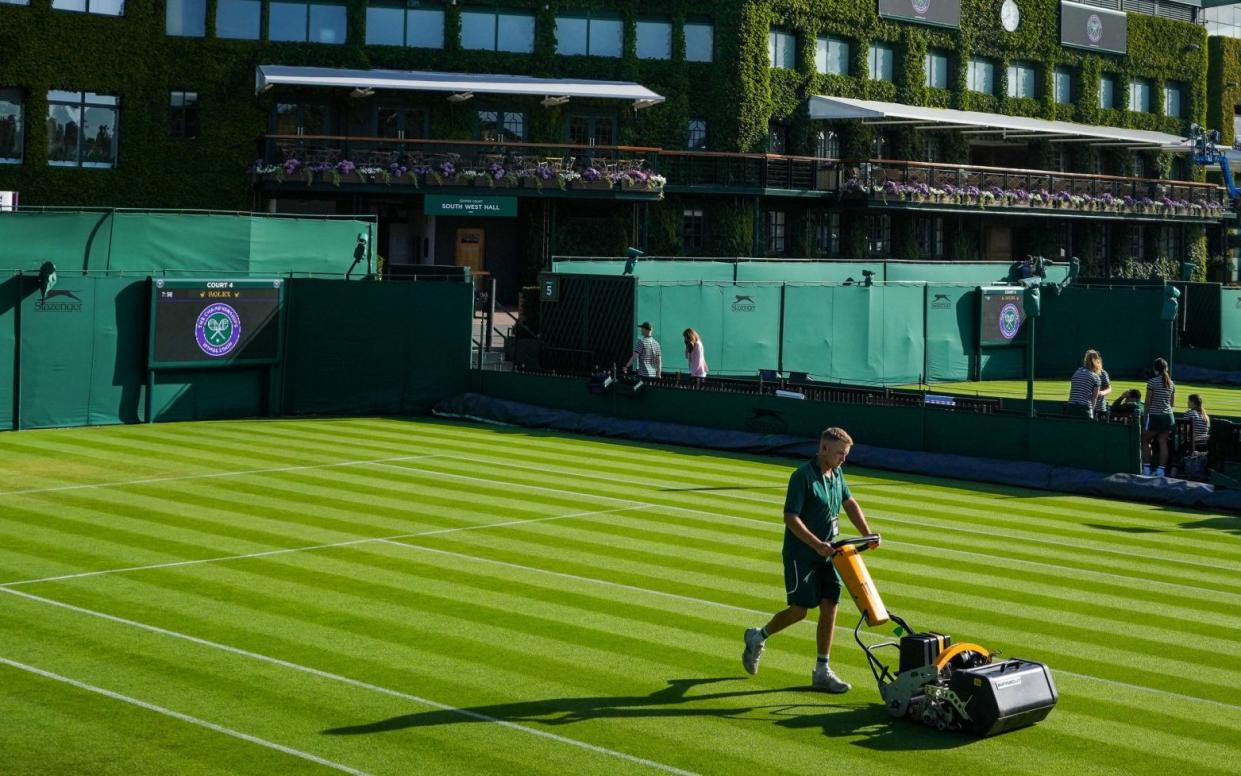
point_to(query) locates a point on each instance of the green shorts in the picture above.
(1159, 424)
(806, 584)
(1075, 410)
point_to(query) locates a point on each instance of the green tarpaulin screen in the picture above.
(1230, 319)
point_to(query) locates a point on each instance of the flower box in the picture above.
(602, 184)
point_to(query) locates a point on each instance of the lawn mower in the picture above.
(962, 687)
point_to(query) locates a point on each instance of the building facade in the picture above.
(760, 127)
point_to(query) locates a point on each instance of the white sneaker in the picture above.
(753, 650)
(1146, 470)
(824, 679)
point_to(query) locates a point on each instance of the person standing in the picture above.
(1197, 415)
(1085, 386)
(817, 492)
(1105, 388)
(695, 353)
(647, 353)
(1159, 421)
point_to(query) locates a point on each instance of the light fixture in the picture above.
(1191, 47)
(362, 92)
(1231, 85)
(551, 102)
(461, 96)
(640, 104)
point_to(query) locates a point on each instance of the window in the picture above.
(589, 36)
(492, 31)
(1137, 242)
(1172, 101)
(238, 19)
(879, 146)
(391, 25)
(1107, 91)
(1169, 243)
(1139, 166)
(937, 69)
(826, 144)
(1062, 85)
(930, 238)
(827, 235)
(775, 231)
(699, 42)
(1059, 160)
(878, 234)
(81, 129)
(654, 40)
(501, 126)
(592, 130)
(696, 137)
(932, 149)
(102, 7)
(400, 122)
(306, 118)
(1022, 80)
(882, 60)
(831, 56)
(777, 138)
(981, 77)
(15, 2)
(11, 126)
(692, 230)
(183, 114)
(1140, 95)
(782, 49)
(186, 18)
(306, 22)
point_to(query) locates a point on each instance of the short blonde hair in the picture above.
(836, 434)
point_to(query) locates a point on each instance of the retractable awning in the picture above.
(877, 113)
(459, 86)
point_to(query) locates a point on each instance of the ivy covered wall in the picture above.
(738, 94)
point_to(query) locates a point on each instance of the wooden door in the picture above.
(470, 249)
(999, 243)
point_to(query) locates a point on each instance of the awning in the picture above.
(460, 86)
(994, 124)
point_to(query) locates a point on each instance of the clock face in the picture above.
(1010, 15)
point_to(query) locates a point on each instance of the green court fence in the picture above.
(1230, 321)
(79, 358)
(180, 242)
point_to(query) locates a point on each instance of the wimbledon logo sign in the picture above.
(218, 330)
(1010, 321)
(921, 6)
(1094, 28)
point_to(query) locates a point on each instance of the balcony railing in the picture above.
(699, 169)
(925, 182)
(338, 159)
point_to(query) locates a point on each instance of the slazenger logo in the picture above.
(72, 303)
(1094, 28)
(921, 6)
(941, 301)
(743, 304)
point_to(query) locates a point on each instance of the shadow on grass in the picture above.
(1129, 529)
(870, 720)
(779, 488)
(1226, 524)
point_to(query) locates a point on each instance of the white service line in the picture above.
(212, 475)
(717, 604)
(468, 713)
(348, 543)
(183, 717)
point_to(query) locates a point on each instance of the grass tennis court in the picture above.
(383, 596)
(1223, 400)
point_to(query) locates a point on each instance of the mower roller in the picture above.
(964, 687)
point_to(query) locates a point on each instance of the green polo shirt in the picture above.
(817, 499)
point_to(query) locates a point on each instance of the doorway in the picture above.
(470, 249)
(998, 243)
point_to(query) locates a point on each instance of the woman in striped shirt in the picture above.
(1201, 420)
(1085, 386)
(1160, 397)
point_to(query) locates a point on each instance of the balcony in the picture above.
(1030, 192)
(526, 169)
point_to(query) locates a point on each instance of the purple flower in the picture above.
(591, 174)
(344, 167)
(447, 169)
(496, 170)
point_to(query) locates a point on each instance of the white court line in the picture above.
(776, 505)
(351, 542)
(183, 717)
(732, 607)
(241, 473)
(468, 713)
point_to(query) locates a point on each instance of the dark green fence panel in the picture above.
(1230, 319)
(9, 297)
(118, 353)
(175, 242)
(71, 240)
(857, 334)
(951, 332)
(1121, 323)
(209, 394)
(57, 347)
(750, 321)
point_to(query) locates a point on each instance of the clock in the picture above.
(1010, 15)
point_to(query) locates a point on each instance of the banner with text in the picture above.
(1096, 29)
(940, 13)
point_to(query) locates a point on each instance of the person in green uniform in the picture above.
(817, 493)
